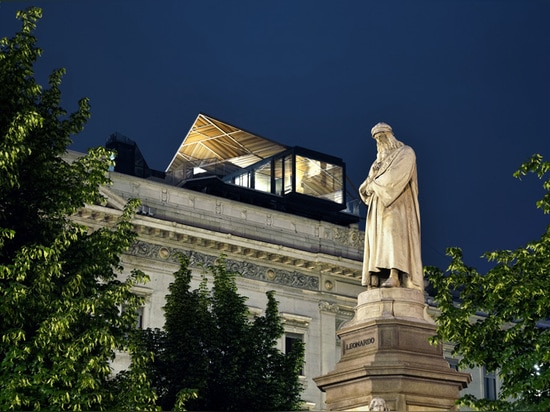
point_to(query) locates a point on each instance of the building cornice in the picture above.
(162, 240)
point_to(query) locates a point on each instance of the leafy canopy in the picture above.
(500, 319)
(212, 349)
(60, 296)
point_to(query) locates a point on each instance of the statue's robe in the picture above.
(392, 231)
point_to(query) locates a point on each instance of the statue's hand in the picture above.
(365, 194)
(365, 190)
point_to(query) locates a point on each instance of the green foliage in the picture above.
(60, 296)
(211, 349)
(500, 319)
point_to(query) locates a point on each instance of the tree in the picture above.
(60, 317)
(211, 347)
(499, 319)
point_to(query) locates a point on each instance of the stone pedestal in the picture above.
(386, 354)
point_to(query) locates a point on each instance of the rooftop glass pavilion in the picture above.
(218, 158)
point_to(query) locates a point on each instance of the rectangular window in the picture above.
(489, 385)
(278, 170)
(319, 179)
(139, 318)
(288, 174)
(242, 180)
(138, 315)
(262, 178)
(290, 340)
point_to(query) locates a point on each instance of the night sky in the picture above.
(464, 82)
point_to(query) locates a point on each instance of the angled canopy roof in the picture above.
(211, 142)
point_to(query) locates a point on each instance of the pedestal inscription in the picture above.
(358, 344)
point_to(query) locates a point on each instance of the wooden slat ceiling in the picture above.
(211, 141)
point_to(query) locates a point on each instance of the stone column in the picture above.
(328, 355)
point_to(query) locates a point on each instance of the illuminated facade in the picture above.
(280, 214)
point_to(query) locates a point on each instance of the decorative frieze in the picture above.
(248, 270)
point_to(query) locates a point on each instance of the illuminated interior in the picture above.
(295, 171)
(224, 160)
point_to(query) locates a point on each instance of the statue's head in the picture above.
(381, 128)
(385, 139)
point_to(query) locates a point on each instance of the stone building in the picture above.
(280, 215)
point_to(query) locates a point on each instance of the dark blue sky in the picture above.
(464, 82)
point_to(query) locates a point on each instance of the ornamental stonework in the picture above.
(325, 306)
(344, 236)
(248, 270)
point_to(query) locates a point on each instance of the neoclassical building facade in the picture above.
(279, 214)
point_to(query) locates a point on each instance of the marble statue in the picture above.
(392, 233)
(378, 404)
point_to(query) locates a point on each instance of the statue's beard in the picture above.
(386, 144)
